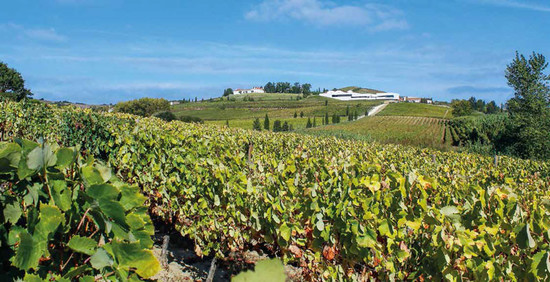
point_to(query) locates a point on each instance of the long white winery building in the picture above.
(351, 96)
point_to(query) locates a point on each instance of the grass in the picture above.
(242, 113)
(401, 123)
(417, 110)
(415, 131)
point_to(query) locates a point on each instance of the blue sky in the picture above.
(105, 51)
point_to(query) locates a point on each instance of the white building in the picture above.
(248, 91)
(352, 96)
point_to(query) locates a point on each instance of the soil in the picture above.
(183, 264)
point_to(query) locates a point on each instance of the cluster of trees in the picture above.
(12, 84)
(227, 92)
(527, 134)
(144, 107)
(278, 126)
(524, 130)
(287, 87)
(467, 107)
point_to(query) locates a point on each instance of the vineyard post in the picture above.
(212, 270)
(164, 251)
(496, 160)
(433, 158)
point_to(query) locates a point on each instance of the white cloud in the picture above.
(529, 5)
(376, 17)
(42, 34)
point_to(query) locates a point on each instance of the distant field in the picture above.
(277, 106)
(417, 110)
(416, 131)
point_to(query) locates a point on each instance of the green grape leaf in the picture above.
(131, 197)
(10, 156)
(65, 157)
(132, 255)
(12, 212)
(266, 270)
(50, 218)
(82, 245)
(101, 259)
(524, 238)
(285, 232)
(28, 253)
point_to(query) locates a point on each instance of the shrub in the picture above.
(143, 107)
(191, 119)
(166, 116)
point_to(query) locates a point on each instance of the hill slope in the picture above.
(361, 90)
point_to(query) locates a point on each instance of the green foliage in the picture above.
(461, 108)
(528, 135)
(67, 216)
(309, 124)
(271, 270)
(227, 92)
(190, 119)
(144, 107)
(266, 123)
(166, 116)
(277, 126)
(12, 84)
(256, 125)
(400, 213)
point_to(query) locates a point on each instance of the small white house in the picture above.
(248, 91)
(174, 103)
(352, 96)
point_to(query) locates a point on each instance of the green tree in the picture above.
(326, 103)
(266, 122)
(256, 125)
(277, 126)
(306, 89)
(491, 108)
(285, 126)
(12, 84)
(528, 134)
(461, 108)
(227, 92)
(295, 115)
(326, 118)
(308, 125)
(227, 122)
(347, 110)
(301, 114)
(314, 122)
(143, 107)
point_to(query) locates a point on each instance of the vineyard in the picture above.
(405, 130)
(338, 209)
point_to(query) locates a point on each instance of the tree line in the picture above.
(524, 128)
(467, 107)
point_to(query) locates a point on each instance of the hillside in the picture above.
(413, 124)
(401, 211)
(241, 110)
(361, 90)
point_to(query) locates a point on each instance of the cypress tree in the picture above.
(266, 122)
(285, 126)
(256, 125)
(308, 125)
(276, 126)
(314, 122)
